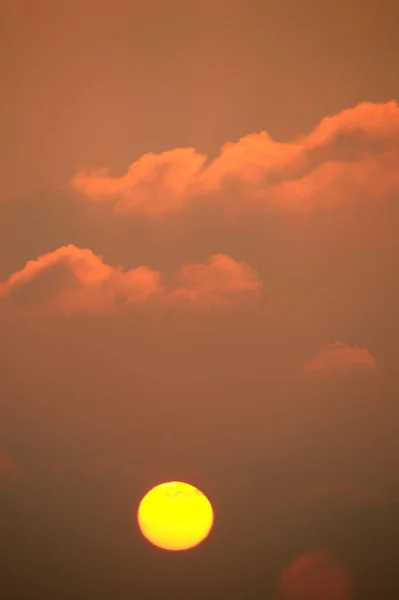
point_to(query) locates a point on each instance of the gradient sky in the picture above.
(198, 280)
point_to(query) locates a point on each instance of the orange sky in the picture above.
(198, 257)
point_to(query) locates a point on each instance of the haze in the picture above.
(198, 282)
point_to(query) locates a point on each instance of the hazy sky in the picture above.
(198, 280)
(100, 82)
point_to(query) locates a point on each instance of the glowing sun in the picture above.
(175, 516)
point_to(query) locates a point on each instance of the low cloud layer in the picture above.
(72, 280)
(315, 576)
(340, 357)
(355, 151)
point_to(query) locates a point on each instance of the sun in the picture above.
(175, 516)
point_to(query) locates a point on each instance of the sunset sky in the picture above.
(199, 249)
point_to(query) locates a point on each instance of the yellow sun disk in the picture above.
(175, 516)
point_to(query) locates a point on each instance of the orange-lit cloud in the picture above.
(154, 184)
(315, 576)
(220, 282)
(340, 357)
(354, 151)
(72, 280)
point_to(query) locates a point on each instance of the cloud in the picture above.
(355, 150)
(340, 357)
(375, 124)
(315, 576)
(72, 280)
(75, 280)
(154, 184)
(220, 282)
